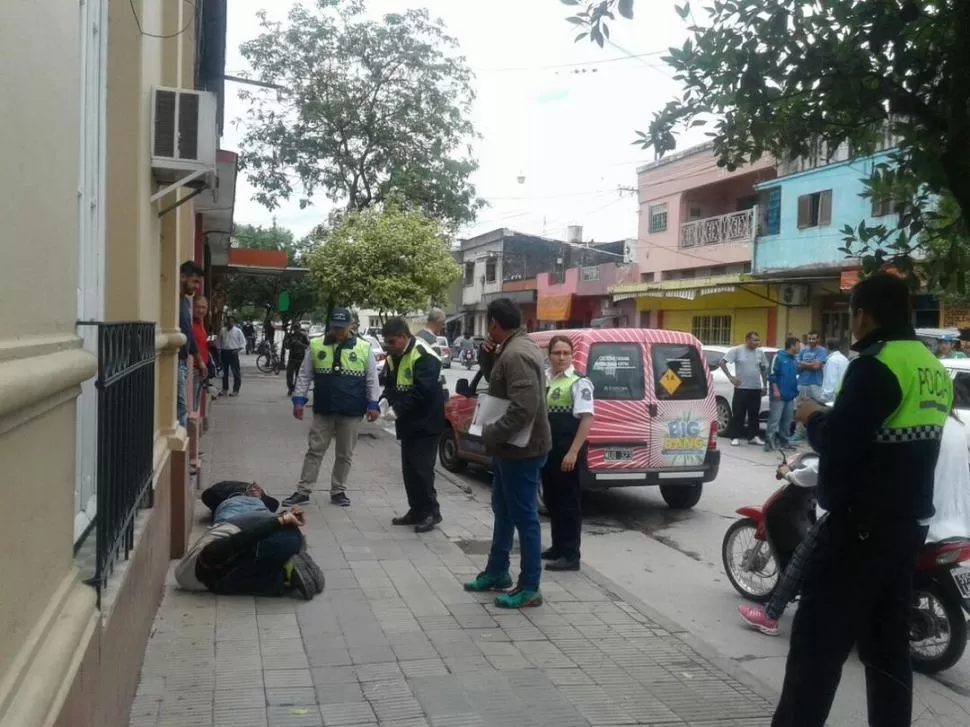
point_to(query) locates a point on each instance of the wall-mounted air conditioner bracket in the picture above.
(182, 182)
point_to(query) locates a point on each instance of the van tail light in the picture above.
(712, 438)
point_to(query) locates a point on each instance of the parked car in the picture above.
(656, 418)
(443, 350)
(724, 389)
(378, 349)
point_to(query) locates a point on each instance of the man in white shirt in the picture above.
(834, 369)
(433, 328)
(231, 341)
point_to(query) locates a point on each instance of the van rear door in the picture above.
(620, 438)
(685, 409)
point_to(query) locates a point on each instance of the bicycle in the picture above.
(268, 361)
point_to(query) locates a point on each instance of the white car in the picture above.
(724, 389)
(959, 369)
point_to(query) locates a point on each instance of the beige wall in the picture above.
(41, 364)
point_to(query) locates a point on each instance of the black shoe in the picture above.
(297, 498)
(302, 579)
(550, 554)
(437, 518)
(563, 564)
(425, 525)
(411, 518)
(340, 499)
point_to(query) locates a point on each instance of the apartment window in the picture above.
(712, 330)
(746, 268)
(647, 277)
(770, 212)
(469, 274)
(591, 273)
(718, 270)
(695, 212)
(883, 207)
(490, 270)
(688, 274)
(658, 217)
(815, 210)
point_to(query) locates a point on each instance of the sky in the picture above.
(568, 133)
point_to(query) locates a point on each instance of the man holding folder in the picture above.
(513, 365)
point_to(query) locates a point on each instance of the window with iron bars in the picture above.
(712, 330)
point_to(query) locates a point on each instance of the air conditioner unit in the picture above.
(793, 294)
(184, 138)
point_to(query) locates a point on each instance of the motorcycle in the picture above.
(468, 358)
(757, 547)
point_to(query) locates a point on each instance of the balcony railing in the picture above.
(126, 426)
(733, 227)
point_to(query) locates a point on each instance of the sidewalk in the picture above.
(394, 640)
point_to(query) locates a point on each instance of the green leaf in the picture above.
(684, 11)
(569, 2)
(625, 8)
(576, 20)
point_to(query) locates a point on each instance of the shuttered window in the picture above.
(815, 210)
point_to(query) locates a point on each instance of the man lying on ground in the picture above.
(229, 498)
(251, 551)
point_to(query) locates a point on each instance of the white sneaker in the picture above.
(757, 441)
(735, 442)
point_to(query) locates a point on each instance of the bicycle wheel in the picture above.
(264, 363)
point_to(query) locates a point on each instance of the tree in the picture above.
(362, 110)
(794, 78)
(387, 259)
(253, 295)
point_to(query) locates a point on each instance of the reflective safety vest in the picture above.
(927, 392)
(559, 405)
(404, 376)
(340, 386)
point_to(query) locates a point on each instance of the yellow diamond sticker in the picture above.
(670, 381)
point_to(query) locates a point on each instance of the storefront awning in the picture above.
(682, 289)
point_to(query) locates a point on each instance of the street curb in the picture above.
(725, 664)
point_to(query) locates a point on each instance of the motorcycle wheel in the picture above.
(935, 616)
(264, 364)
(753, 557)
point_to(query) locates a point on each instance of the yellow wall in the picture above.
(742, 320)
(748, 310)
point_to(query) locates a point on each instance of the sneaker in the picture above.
(735, 442)
(757, 441)
(340, 499)
(519, 598)
(301, 579)
(311, 568)
(488, 582)
(550, 554)
(563, 564)
(297, 498)
(754, 616)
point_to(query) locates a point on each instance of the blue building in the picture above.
(802, 214)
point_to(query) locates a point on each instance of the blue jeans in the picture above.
(780, 415)
(515, 490)
(181, 406)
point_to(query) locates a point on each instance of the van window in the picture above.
(616, 370)
(678, 372)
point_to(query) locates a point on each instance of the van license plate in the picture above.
(617, 455)
(961, 576)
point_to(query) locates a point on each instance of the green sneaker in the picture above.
(489, 582)
(519, 599)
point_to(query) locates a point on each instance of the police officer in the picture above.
(878, 446)
(343, 370)
(413, 389)
(569, 402)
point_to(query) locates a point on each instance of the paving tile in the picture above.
(277, 678)
(235, 717)
(294, 717)
(348, 713)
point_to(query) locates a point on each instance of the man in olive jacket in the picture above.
(513, 365)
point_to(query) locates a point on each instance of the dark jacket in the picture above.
(872, 484)
(185, 325)
(517, 373)
(420, 409)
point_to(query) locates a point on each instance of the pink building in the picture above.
(696, 216)
(580, 297)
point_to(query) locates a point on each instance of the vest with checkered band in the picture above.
(559, 405)
(340, 386)
(927, 392)
(404, 376)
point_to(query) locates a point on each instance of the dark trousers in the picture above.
(563, 497)
(745, 408)
(417, 467)
(515, 490)
(857, 591)
(230, 362)
(292, 371)
(259, 570)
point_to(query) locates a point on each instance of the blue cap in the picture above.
(341, 318)
(947, 338)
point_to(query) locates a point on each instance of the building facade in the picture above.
(89, 441)
(697, 226)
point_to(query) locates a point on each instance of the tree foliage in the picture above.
(362, 110)
(251, 296)
(794, 79)
(387, 259)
